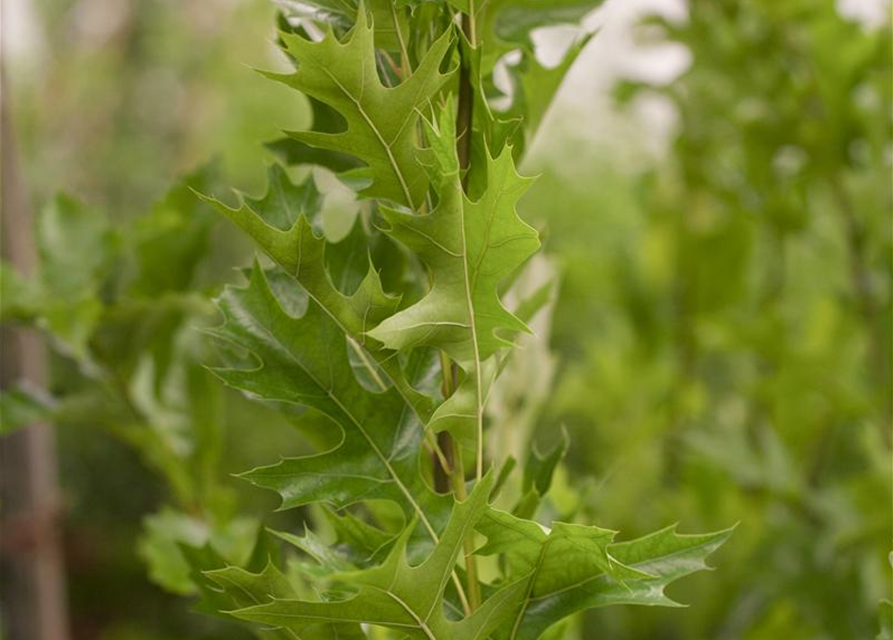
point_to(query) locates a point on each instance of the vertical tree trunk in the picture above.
(33, 590)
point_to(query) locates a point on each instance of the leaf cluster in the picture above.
(119, 304)
(394, 337)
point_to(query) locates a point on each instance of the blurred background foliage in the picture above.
(720, 338)
(724, 328)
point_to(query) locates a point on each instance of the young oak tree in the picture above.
(401, 112)
(397, 334)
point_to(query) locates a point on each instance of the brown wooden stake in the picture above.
(31, 561)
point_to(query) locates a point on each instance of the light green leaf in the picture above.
(469, 248)
(75, 246)
(381, 121)
(165, 532)
(74, 243)
(575, 567)
(170, 241)
(21, 298)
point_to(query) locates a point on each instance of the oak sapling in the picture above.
(398, 333)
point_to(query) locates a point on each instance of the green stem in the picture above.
(471, 567)
(465, 108)
(444, 467)
(405, 64)
(463, 149)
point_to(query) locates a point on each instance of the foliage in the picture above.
(392, 338)
(741, 292)
(120, 305)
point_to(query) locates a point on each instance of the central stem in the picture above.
(466, 100)
(464, 116)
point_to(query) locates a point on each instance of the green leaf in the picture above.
(21, 406)
(320, 332)
(458, 414)
(325, 120)
(167, 531)
(75, 246)
(381, 121)
(575, 567)
(504, 25)
(21, 298)
(359, 536)
(285, 202)
(538, 472)
(469, 248)
(245, 589)
(513, 20)
(407, 598)
(170, 241)
(225, 586)
(280, 222)
(74, 243)
(539, 468)
(536, 86)
(304, 360)
(327, 558)
(305, 257)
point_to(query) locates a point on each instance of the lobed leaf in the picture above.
(381, 121)
(304, 360)
(469, 248)
(286, 234)
(575, 567)
(407, 598)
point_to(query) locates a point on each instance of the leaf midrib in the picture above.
(385, 145)
(479, 394)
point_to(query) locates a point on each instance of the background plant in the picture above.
(744, 285)
(127, 363)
